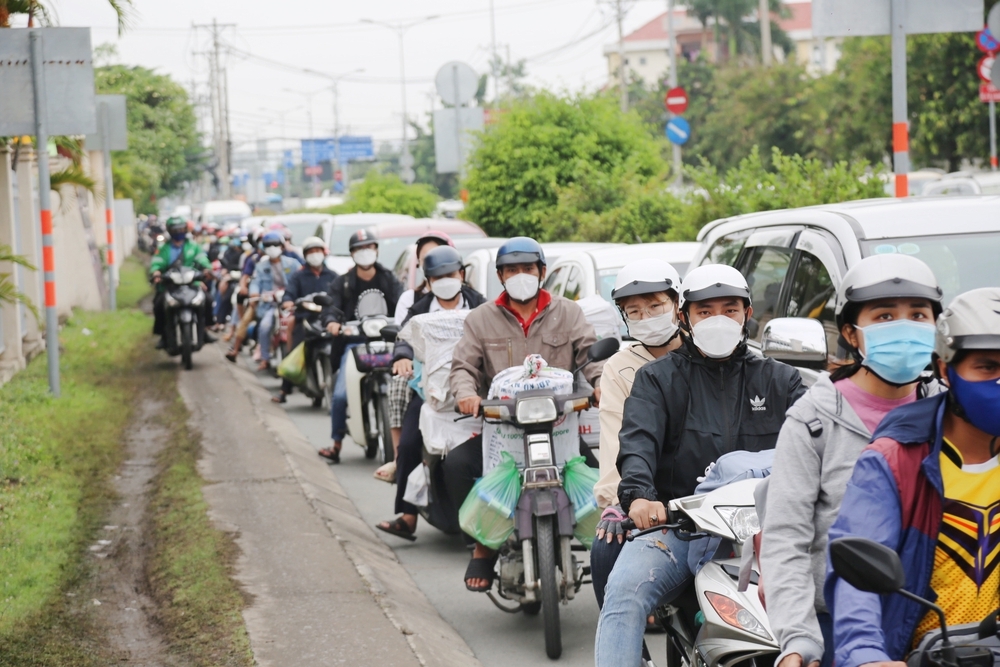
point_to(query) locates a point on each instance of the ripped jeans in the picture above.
(651, 570)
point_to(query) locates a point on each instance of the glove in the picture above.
(610, 525)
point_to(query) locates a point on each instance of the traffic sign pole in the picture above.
(900, 131)
(109, 198)
(993, 135)
(671, 40)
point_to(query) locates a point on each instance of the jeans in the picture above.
(410, 453)
(264, 328)
(602, 561)
(338, 403)
(826, 627)
(651, 570)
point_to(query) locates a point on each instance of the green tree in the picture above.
(385, 193)
(545, 144)
(164, 146)
(34, 9)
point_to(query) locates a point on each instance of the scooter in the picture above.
(875, 568)
(713, 623)
(184, 327)
(318, 344)
(537, 567)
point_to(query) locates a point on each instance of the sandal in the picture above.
(264, 365)
(386, 473)
(399, 528)
(231, 356)
(481, 568)
(280, 397)
(330, 454)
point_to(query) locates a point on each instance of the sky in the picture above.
(562, 41)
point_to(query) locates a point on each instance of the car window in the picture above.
(726, 249)
(554, 281)
(765, 271)
(573, 289)
(812, 295)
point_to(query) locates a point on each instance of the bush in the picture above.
(385, 193)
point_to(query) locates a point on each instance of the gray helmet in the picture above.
(971, 322)
(645, 276)
(886, 277)
(312, 243)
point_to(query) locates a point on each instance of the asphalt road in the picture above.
(437, 562)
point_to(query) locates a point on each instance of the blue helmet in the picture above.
(272, 238)
(441, 261)
(520, 250)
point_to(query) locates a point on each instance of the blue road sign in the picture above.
(289, 162)
(678, 131)
(987, 42)
(319, 151)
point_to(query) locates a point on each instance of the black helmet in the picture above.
(176, 225)
(520, 250)
(362, 237)
(441, 261)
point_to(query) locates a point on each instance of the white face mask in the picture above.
(274, 252)
(522, 287)
(247, 247)
(653, 331)
(315, 259)
(717, 336)
(365, 258)
(446, 289)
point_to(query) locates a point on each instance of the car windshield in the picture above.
(606, 278)
(341, 236)
(961, 262)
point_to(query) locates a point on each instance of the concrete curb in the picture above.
(434, 642)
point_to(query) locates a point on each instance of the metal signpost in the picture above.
(47, 79)
(678, 131)
(456, 83)
(672, 101)
(112, 135)
(898, 18)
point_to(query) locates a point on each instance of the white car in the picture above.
(336, 230)
(225, 212)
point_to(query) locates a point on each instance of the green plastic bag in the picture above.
(488, 512)
(578, 481)
(293, 367)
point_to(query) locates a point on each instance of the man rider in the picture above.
(524, 319)
(366, 277)
(709, 397)
(179, 251)
(928, 487)
(312, 278)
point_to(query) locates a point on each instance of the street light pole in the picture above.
(673, 80)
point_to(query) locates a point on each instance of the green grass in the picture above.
(132, 286)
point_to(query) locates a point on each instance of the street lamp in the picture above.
(400, 28)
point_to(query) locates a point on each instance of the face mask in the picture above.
(522, 287)
(446, 289)
(247, 247)
(365, 258)
(979, 400)
(717, 336)
(897, 351)
(178, 236)
(274, 252)
(315, 259)
(653, 331)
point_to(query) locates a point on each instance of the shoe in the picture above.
(161, 344)
(231, 356)
(387, 473)
(209, 338)
(280, 397)
(330, 454)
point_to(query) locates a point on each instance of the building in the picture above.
(646, 49)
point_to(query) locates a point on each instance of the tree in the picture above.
(742, 35)
(425, 165)
(8, 292)
(385, 193)
(34, 9)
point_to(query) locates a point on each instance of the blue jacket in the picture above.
(263, 280)
(895, 497)
(304, 282)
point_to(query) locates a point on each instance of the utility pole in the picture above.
(493, 50)
(622, 83)
(220, 107)
(673, 80)
(766, 50)
(900, 127)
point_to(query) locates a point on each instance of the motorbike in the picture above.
(184, 326)
(537, 565)
(875, 568)
(318, 344)
(713, 623)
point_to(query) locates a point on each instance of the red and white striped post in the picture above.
(900, 128)
(109, 200)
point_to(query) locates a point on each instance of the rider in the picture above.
(524, 319)
(270, 275)
(646, 294)
(929, 487)
(445, 274)
(180, 251)
(709, 397)
(365, 277)
(885, 309)
(312, 278)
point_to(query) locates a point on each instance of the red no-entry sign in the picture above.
(984, 67)
(676, 100)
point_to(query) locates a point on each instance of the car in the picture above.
(396, 237)
(964, 183)
(794, 259)
(406, 266)
(252, 222)
(301, 225)
(337, 230)
(224, 212)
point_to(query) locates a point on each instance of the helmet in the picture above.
(883, 277)
(441, 261)
(438, 237)
(210, 228)
(176, 224)
(645, 276)
(362, 237)
(286, 233)
(312, 243)
(256, 234)
(520, 250)
(711, 281)
(970, 322)
(273, 238)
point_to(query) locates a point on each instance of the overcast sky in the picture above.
(561, 39)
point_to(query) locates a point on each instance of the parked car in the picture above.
(481, 270)
(964, 183)
(406, 266)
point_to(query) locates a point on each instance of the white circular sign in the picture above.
(456, 83)
(406, 160)
(995, 70)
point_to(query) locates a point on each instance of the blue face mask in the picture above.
(980, 400)
(898, 351)
(179, 236)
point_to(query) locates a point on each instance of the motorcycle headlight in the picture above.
(373, 328)
(198, 298)
(536, 410)
(171, 301)
(742, 520)
(736, 615)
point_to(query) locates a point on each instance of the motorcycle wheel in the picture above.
(369, 416)
(324, 383)
(386, 452)
(186, 345)
(675, 658)
(545, 538)
(531, 608)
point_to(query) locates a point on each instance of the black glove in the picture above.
(610, 525)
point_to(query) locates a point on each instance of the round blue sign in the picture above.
(678, 131)
(986, 41)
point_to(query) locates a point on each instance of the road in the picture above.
(437, 561)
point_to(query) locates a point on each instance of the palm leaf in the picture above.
(123, 9)
(7, 255)
(72, 175)
(8, 291)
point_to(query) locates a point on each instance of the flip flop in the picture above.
(330, 454)
(399, 528)
(481, 568)
(386, 473)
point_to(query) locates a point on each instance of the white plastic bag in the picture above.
(417, 486)
(433, 337)
(442, 433)
(601, 315)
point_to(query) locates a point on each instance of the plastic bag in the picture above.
(578, 481)
(417, 487)
(293, 367)
(488, 512)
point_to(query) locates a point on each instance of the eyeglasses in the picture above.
(635, 313)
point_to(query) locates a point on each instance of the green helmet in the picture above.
(176, 224)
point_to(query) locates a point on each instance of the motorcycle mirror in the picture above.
(389, 333)
(323, 299)
(867, 565)
(603, 349)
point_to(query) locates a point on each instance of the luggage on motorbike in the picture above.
(578, 482)
(371, 360)
(418, 486)
(488, 512)
(607, 323)
(442, 433)
(433, 337)
(293, 367)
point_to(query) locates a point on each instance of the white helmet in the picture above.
(885, 277)
(646, 276)
(711, 281)
(312, 243)
(970, 322)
